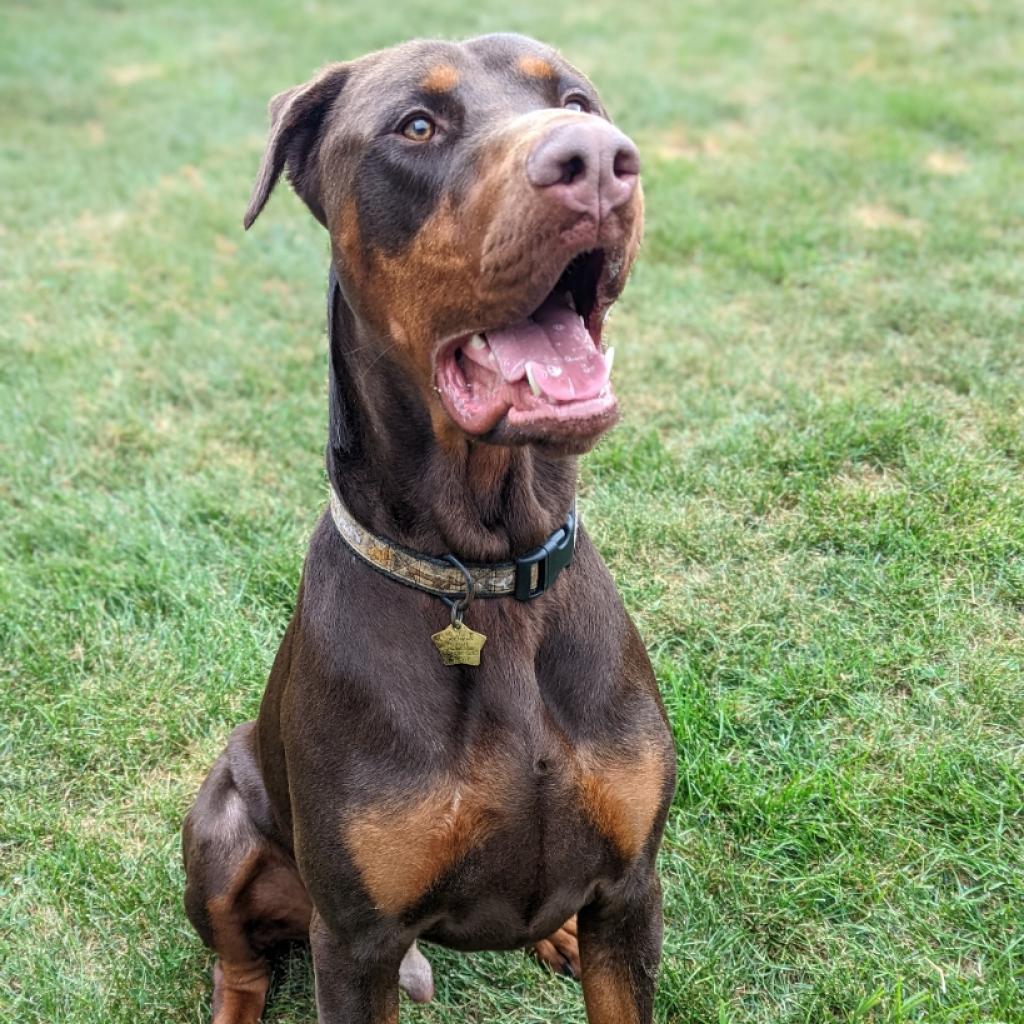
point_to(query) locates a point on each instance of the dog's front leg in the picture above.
(356, 983)
(620, 948)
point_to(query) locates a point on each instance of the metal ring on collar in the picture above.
(459, 605)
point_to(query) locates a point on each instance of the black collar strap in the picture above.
(524, 579)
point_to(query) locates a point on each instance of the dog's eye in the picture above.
(577, 103)
(419, 128)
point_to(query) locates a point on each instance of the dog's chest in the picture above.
(531, 812)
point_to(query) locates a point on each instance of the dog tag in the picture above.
(459, 645)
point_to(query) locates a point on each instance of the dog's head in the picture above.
(483, 213)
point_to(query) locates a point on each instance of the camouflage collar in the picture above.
(524, 578)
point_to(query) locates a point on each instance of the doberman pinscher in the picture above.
(400, 782)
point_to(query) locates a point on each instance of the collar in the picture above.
(524, 578)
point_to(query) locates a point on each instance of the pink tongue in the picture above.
(564, 361)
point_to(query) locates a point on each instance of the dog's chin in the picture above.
(573, 426)
(563, 434)
(543, 379)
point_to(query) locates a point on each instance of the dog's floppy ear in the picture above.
(296, 119)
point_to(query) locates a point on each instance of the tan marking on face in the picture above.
(622, 796)
(440, 78)
(467, 266)
(488, 468)
(417, 297)
(404, 293)
(397, 331)
(536, 67)
(607, 992)
(467, 257)
(448, 435)
(348, 241)
(403, 845)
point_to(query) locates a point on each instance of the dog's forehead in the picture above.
(494, 69)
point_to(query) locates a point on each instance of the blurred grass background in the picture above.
(814, 507)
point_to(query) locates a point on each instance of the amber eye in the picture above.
(577, 103)
(419, 128)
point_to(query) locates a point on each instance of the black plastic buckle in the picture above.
(550, 558)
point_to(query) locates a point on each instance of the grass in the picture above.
(814, 507)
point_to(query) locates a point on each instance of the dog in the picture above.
(461, 739)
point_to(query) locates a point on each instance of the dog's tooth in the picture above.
(570, 301)
(609, 359)
(534, 386)
(477, 341)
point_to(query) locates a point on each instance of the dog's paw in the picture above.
(561, 951)
(415, 977)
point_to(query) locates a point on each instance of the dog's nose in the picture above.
(587, 163)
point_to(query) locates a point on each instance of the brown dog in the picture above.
(483, 215)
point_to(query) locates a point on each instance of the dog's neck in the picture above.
(480, 502)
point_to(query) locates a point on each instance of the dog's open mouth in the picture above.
(548, 369)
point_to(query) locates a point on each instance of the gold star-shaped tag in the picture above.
(459, 645)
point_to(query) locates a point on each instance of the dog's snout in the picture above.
(588, 164)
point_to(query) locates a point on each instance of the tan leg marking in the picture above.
(239, 991)
(607, 993)
(622, 797)
(240, 976)
(262, 888)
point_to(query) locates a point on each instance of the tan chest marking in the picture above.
(622, 795)
(403, 845)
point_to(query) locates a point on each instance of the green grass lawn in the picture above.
(814, 506)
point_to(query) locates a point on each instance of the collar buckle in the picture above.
(550, 558)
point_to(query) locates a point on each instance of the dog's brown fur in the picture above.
(382, 797)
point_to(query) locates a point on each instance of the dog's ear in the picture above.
(297, 117)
